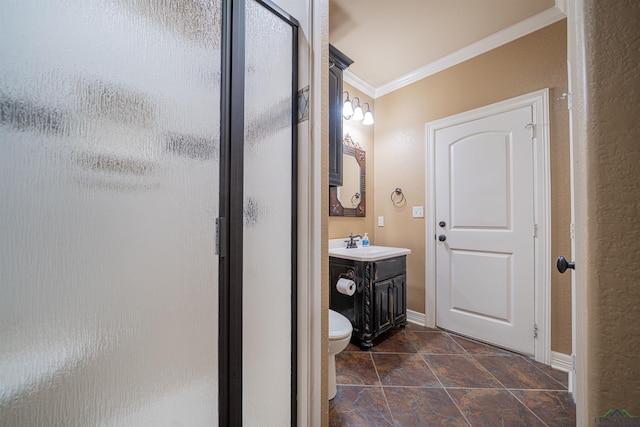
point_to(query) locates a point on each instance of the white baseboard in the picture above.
(561, 361)
(415, 317)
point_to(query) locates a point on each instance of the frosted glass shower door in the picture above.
(269, 226)
(109, 193)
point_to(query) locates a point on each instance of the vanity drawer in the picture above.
(388, 268)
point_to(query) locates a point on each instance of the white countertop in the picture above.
(368, 253)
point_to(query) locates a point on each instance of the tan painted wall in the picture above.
(531, 63)
(342, 226)
(612, 221)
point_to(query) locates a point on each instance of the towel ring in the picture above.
(397, 197)
(355, 197)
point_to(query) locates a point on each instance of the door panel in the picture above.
(477, 163)
(383, 307)
(268, 219)
(109, 187)
(484, 193)
(400, 299)
(483, 285)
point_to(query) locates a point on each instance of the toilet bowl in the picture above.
(339, 337)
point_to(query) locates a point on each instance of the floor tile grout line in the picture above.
(410, 341)
(490, 373)
(509, 354)
(393, 421)
(504, 350)
(538, 389)
(532, 364)
(474, 355)
(426, 362)
(445, 390)
(503, 388)
(482, 368)
(445, 354)
(395, 386)
(358, 376)
(529, 409)
(446, 334)
(526, 360)
(458, 408)
(550, 390)
(359, 385)
(457, 343)
(456, 387)
(506, 353)
(381, 352)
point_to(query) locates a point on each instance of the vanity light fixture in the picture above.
(368, 116)
(347, 108)
(353, 110)
(358, 115)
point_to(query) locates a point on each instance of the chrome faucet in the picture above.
(351, 243)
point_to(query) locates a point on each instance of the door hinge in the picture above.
(572, 231)
(532, 128)
(221, 237)
(535, 230)
(573, 362)
(535, 330)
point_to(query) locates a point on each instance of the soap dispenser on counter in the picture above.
(365, 240)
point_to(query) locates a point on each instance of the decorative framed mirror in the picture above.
(350, 198)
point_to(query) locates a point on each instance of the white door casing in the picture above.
(500, 270)
(576, 59)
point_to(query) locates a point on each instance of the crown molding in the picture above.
(358, 83)
(514, 32)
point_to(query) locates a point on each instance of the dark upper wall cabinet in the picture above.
(338, 62)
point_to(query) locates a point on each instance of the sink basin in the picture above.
(368, 253)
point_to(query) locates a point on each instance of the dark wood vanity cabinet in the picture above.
(390, 307)
(380, 300)
(338, 62)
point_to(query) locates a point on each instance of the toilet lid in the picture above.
(339, 326)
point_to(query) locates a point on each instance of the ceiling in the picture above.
(390, 39)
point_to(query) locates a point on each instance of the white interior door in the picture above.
(484, 214)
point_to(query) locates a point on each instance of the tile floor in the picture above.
(426, 377)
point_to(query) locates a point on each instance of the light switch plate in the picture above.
(380, 221)
(418, 211)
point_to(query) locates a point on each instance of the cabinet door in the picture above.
(383, 307)
(335, 126)
(399, 300)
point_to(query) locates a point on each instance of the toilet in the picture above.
(339, 337)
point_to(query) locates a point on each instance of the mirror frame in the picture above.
(350, 148)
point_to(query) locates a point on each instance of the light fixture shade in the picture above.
(357, 113)
(347, 109)
(368, 118)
